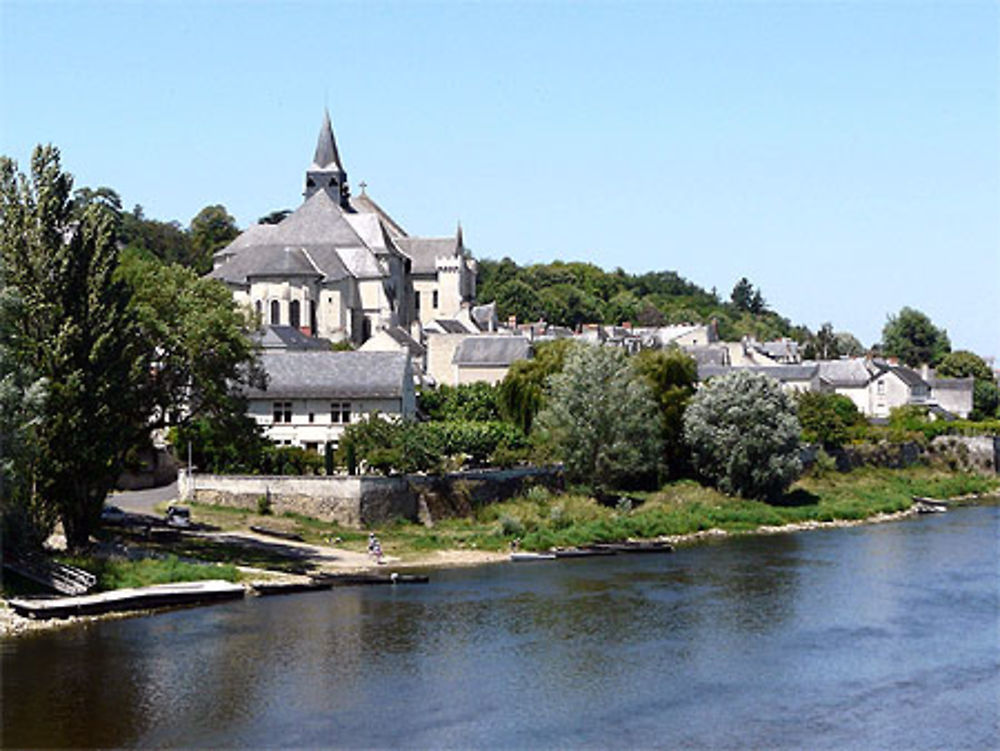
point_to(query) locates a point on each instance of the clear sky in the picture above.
(843, 156)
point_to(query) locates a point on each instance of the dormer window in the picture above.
(310, 183)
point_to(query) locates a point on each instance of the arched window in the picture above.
(275, 312)
(256, 307)
(294, 318)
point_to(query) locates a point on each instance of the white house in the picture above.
(312, 396)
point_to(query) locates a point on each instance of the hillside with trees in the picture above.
(572, 293)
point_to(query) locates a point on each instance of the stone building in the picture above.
(340, 267)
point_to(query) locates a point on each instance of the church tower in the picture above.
(326, 172)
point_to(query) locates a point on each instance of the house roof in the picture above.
(331, 375)
(708, 355)
(953, 384)
(491, 350)
(854, 373)
(908, 376)
(424, 251)
(289, 338)
(782, 373)
(449, 326)
(401, 337)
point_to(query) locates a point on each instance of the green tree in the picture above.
(471, 401)
(211, 230)
(601, 419)
(962, 363)
(205, 357)
(912, 338)
(744, 435)
(849, 345)
(522, 392)
(671, 375)
(823, 344)
(826, 419)
(985, 394)
(166, 241)
(25, 521)
(747, 299)
(80, 336)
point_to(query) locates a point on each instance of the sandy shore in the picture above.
(334, 560)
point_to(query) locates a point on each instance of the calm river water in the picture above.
(872, 637)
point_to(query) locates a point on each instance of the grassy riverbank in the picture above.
(542, 520)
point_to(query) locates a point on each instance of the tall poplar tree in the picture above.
(77, 334)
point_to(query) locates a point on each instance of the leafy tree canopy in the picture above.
(744, 435)
(521, 394)
(80, 336)
(912, 338)
(212, 229)
(827, 419)
(671, 376)
(602, 419)
(962, 363)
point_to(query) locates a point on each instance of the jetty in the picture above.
(118, 600)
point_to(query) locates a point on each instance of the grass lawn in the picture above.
(120, 573)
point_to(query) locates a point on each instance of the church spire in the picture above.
(458, 237)
(326, 155)
(326, 172)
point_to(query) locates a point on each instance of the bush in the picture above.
(744, 435)
(407, 447)
(470, 401)
(827, 419)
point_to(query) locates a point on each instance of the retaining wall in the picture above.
(366, 500)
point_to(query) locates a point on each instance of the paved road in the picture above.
(142, 501)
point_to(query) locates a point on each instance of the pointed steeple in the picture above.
(326, 155)
(458, 237)
(326, 172)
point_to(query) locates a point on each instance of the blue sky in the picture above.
(843, 156)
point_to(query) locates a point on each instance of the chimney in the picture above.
(627, 325)
(512, 322)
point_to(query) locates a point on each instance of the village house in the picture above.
(312, 396)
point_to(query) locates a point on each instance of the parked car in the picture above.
(178, 516)
(112, 515)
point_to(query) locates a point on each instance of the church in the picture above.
(339, 267)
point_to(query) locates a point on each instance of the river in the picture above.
(882, 636)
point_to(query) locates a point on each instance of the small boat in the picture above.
(350, 580)
(929, 505)
(651, 546)
(588, 552)
(521, 556)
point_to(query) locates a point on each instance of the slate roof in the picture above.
(326, 146)
(487, 351)
(450, 326)
(854, 373)
(365, 204)
(708, 355)
(399, 335)
(289, 338)
(953, 384)
(424, 251)
(319, 227)
(331, 375)
(908, 376)
(781, 373)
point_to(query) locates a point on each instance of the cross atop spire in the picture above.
(326, 146)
